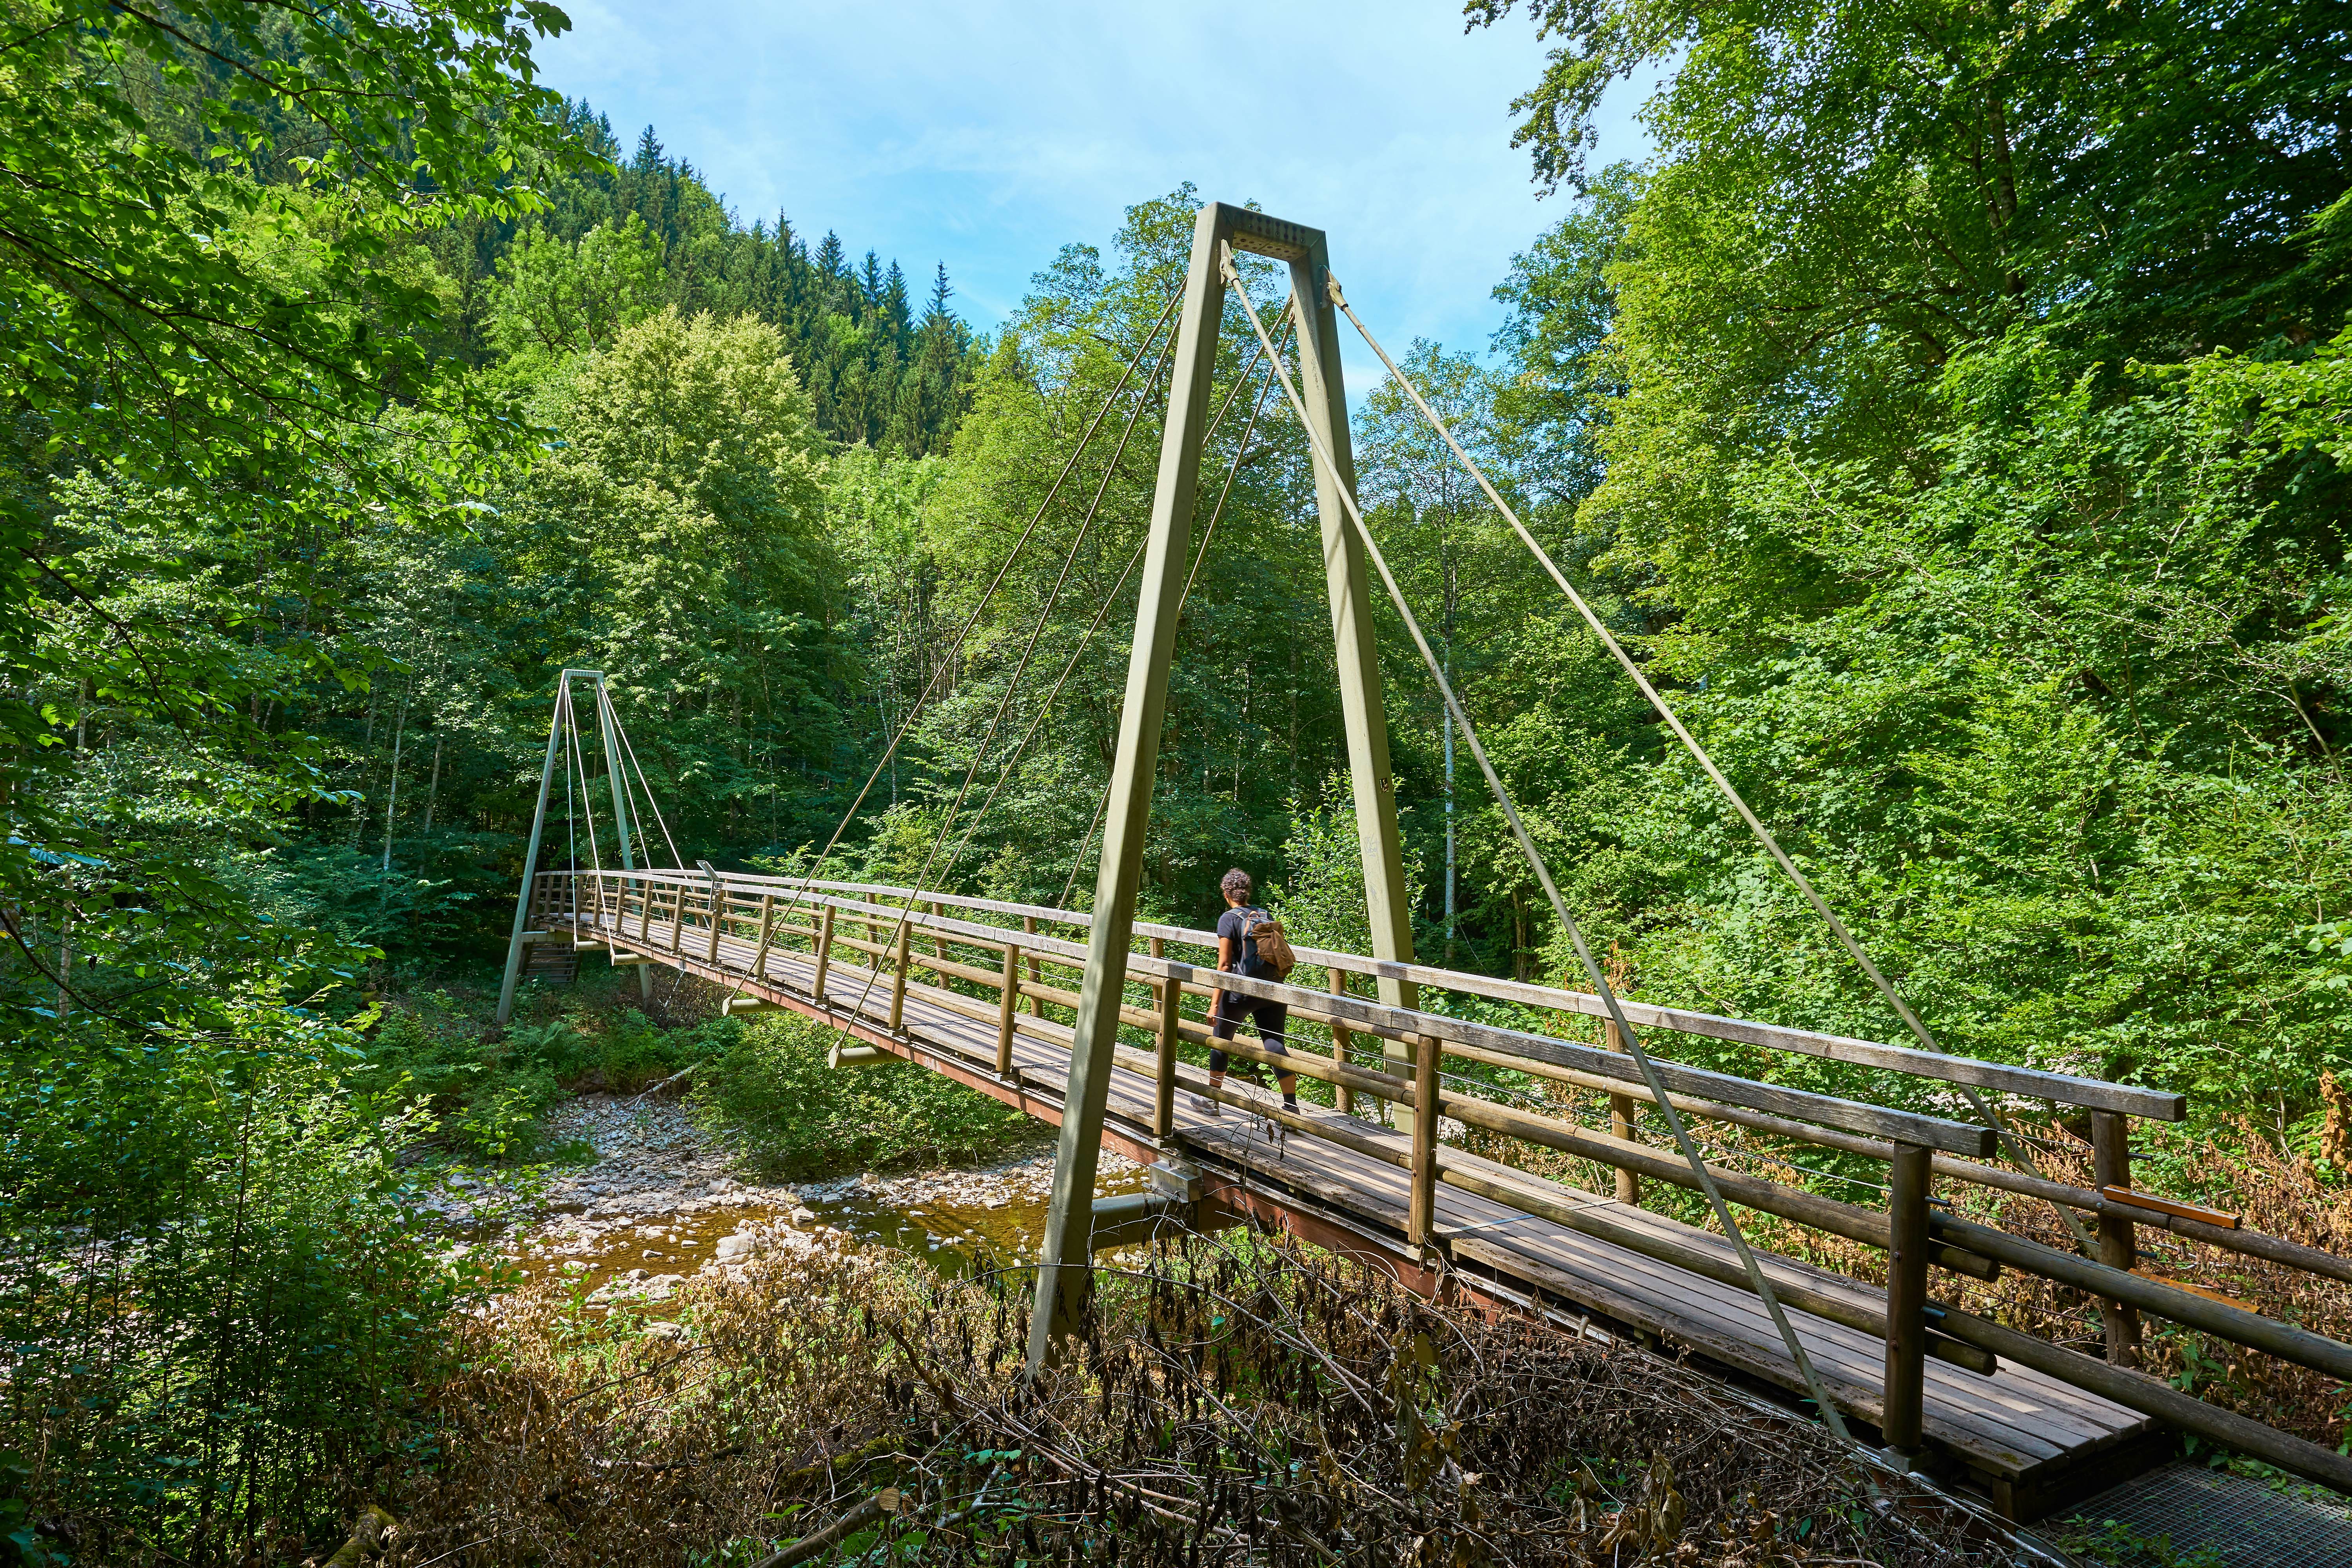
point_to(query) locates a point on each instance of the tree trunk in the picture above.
(433, 789)
(392, 796)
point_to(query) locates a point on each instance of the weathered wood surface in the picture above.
(2016, 1425)
(2064, 1089)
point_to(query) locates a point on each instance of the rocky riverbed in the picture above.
(658, 1202)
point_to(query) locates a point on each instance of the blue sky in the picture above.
(987, 135)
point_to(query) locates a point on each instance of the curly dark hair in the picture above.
(1236, 883)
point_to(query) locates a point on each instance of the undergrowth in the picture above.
(770, 1096)
(1236, 1400)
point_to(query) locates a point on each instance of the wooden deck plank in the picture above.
(2014, 1425)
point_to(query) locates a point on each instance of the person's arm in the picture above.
(1224, 964)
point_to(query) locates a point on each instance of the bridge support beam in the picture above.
(614, 770)
(516, 943)
(1348, 581)
(1064, 1275)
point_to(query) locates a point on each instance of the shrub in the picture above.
(214, 1294)
(772, 1097)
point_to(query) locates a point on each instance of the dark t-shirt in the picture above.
(1232, 923)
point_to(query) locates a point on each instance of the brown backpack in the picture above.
(1272, 942)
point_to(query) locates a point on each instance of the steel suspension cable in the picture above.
(1257, 406)
(626, 793)
(1013, 685)
(916, 710)
(1764, 835)
(1761, 1286)
(571, 831)
(1044, 708)
(629, 750)
(578, 748)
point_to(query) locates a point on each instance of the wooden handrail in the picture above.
(1408, 1025)
(2062, 1089)
(1916, 1236)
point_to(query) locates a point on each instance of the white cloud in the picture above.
(989, 135)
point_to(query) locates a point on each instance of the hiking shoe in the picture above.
(1207, 1106)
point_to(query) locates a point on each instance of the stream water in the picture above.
(659, 1205)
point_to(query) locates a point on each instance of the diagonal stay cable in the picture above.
(915, 710)
(571, 825)
(1756, 1282)
(629, 750)
(1233, 472)
(1038, 719)
(580, 760)
(1992, 1118)
(576, 753)
(1234, 469)
(1013, 685)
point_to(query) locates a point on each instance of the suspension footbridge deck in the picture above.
(2029, 1441)
(2030, 1421)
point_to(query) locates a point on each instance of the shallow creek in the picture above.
(659, 1205)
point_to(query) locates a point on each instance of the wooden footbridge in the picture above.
(1436, 1154)
(980, 990)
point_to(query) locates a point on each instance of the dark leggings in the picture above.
(1269, 1018)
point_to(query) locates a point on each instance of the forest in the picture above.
(1951, 414)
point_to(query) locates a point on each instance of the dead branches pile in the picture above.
(1236, 1401)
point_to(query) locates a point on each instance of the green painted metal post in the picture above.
(531, 853)
(1064, 1273)
(1063, 1276)
(1386, 898)
(613, 771)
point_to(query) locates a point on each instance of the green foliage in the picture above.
(2114, 1544)
(217, 1295)
(1968, 477)
(482, 1096)
(773, 1099)
(555, 299)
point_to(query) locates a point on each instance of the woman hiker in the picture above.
(1237, 953)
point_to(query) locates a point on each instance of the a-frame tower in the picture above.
(1064, 1275)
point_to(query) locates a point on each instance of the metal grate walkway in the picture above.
(2185, 1512)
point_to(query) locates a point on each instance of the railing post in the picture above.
(1164, 1092)
(1342, 1044)
(1622, 1123)
(1901, 1419)
(677, 920)
(1008, 998)
(767, 931)
(898, 983)
(823, 952)
(718, 919)
(938, 937)
(2118, 1246)
(1036, 969)
(1421, 1214)
(873, 933)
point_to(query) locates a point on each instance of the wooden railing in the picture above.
(689, 916)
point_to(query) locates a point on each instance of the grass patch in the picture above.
(489, 1092)
(771, 1098)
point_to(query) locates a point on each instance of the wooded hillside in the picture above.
(1951, 414)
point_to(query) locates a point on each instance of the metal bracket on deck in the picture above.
(1176, 1179)
(860, 1057)
(1133, 1219)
